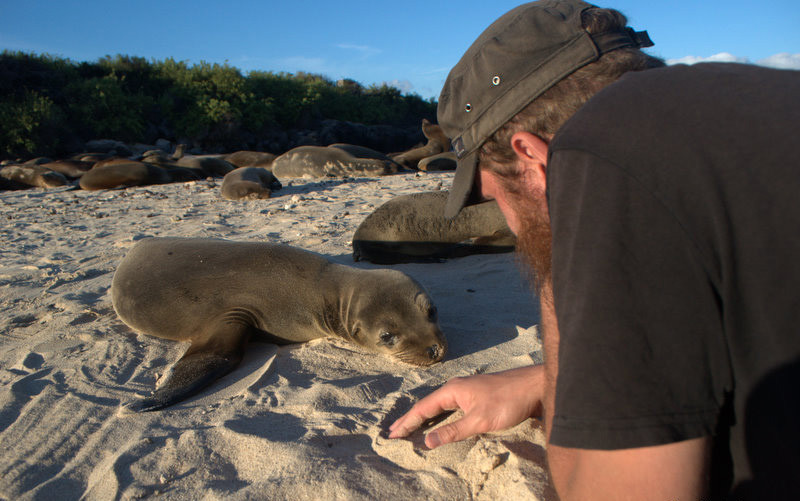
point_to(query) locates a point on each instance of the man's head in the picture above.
(552, 53)
(523, 77)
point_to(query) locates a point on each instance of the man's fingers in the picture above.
(456, 431)
(429, 407)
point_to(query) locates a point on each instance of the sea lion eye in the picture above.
(432, 314)
(388, 338)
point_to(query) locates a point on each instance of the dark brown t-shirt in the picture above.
(675, 204)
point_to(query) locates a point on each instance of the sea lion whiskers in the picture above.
(410, 357)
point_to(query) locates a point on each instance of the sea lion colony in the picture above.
(99, 171)
(160, 289)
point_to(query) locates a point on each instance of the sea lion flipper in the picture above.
(202, 364)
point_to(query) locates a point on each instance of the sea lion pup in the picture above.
(246, 158)
(33, 175)
(111, 161)
(443, 161)
(159, 156)
(249, 183)
(329, 161)
(113, 174)
(70, 168)
(209, 165)
(38, 161)
(412, 228)
(90, 157)
(188, 167)
(217, 294)
(437, 143)
(364, 152)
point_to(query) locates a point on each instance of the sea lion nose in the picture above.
(434, 351)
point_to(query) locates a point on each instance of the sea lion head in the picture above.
(394, 315)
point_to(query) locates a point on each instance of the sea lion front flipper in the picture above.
(202, 364)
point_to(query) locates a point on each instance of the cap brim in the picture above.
(463, 184)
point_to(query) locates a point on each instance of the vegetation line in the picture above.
(48, 104)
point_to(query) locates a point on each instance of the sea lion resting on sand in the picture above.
(442, 161)
(245, 158)
(210, 165)
(437, 143)
(28, 175)
(249, 183)
(330, 161)
(217, 294)
(412, 228)
(70, 168)
(120, 173)
(202, 165)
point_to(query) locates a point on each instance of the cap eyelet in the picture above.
(468, 108)
(496, 80)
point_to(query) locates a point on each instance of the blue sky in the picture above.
(410, 44)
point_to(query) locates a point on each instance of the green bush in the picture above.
(30, 122)
(102, 107)
(46, 101)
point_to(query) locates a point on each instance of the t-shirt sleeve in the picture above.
(638, 316)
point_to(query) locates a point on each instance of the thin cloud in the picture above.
(722, 57)
(784, 60)
(364, 50)
(302, 63)
(436, 71)
(403, 85)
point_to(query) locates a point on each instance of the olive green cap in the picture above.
(515, 60)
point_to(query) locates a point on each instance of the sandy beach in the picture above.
(294, 422)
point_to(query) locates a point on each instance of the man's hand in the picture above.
(490, 402)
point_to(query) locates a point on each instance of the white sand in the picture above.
(297, 422)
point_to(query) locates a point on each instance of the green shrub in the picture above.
(30, 122)
(45, 99)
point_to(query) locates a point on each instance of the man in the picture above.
(659, 209)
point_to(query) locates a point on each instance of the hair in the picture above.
(547, 113)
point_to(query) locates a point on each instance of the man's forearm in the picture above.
(671, 471)
(559, 460)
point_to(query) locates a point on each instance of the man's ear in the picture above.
(531, 151)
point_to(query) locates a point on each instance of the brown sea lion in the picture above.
(412, 228)
(246, 158)
(327, 161)
(249, 183)
(209, 165)
(217, 294)
(70, 168)
(443, 161)
(90, 157)
(437, 143)
(364, 152)
(33, 175)
(115, 174)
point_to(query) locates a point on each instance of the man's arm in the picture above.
(490, 402)
(677, 471)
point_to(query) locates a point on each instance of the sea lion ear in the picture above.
(426, 306)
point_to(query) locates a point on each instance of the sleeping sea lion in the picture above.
(412, 228)
(217, 294)
(329, 161)
(249, 183)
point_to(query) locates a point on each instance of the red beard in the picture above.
(534, 238)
